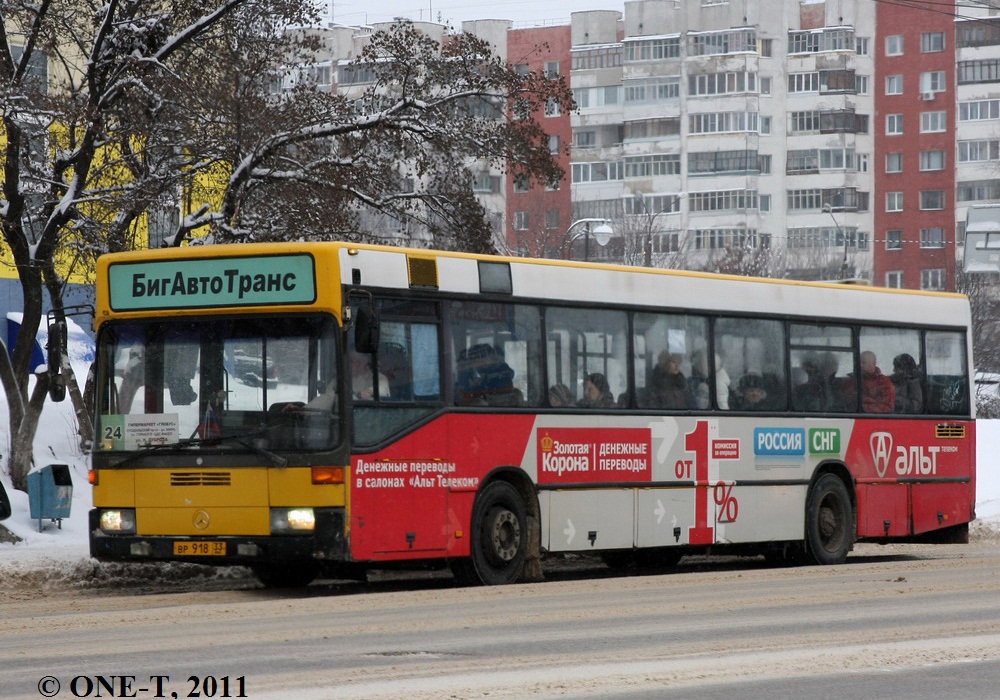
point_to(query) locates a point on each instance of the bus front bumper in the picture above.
(326, 543)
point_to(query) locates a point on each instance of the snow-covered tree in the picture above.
(118, 113)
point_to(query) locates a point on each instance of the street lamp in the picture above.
(600, 229)
(843, 265)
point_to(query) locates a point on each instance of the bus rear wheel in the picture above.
(829, 520)
(499, 538)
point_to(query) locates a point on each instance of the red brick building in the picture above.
(538, 215)
(915, 121)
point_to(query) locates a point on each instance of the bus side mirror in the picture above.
(56, 348)
(366, 330)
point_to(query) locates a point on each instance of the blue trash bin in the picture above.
(50, 493)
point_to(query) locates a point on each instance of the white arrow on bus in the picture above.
(570, 531)
(659, 511)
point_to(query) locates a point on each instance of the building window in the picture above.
(894, 201)
(931, 200)
(600, 57)
(652, 90)
(652, 49)
(978, 150)
(978, 110)
(894, 279)
(585, 139)
(722, 122)
(652, 128)
(724, 83)
(933, 81)
(727, 41)
(597, 172)
(986, 70)
(723, 162)
(894, 85)
(894, 124)
(932, 238)
(484, 182)
(522, 221)
(653, 165)
(894, 45)
(551, 219)
(554, 143)
(931, 42)
(933, 122)
(724, 200)
(933, 279)
(982, 32)
(552, 108)
(552, 69)
(932, 160)
(894, 239)
(894, 162)
(977, 190)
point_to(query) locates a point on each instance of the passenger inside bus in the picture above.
(667, 383)
(722, 382)
(560, 396)
(484, 378)
(753, 394)
(815, 393)
(877, 393)
(596, 392)
(697, 384)
(362, 384)
(906, 381)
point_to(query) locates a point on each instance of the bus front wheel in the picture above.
(499, 537)
(829, 520)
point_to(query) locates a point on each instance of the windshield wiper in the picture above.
(239, 438)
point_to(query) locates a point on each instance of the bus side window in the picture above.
(947, 374)
(586, 342)
(671, 362)
(496, 351)
(822, 362)
(754, 350)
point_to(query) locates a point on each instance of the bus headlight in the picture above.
(290, 521)
(118, 522)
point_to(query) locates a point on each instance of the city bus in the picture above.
(323, 409)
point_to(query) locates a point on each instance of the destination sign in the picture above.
(212, 282)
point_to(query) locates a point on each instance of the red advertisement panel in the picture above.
(592, 455)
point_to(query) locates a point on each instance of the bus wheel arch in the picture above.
(831, 515)
(504, 532)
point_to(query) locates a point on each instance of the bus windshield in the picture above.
(219, 383)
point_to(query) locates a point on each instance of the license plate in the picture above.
(212, 548)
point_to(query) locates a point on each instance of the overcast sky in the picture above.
(523, 13)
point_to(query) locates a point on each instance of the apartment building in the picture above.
(799, 138)
(976, 52)
(733, 128)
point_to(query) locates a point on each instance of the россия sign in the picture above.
(213, 282)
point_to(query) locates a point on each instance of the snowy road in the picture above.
(902, 621)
